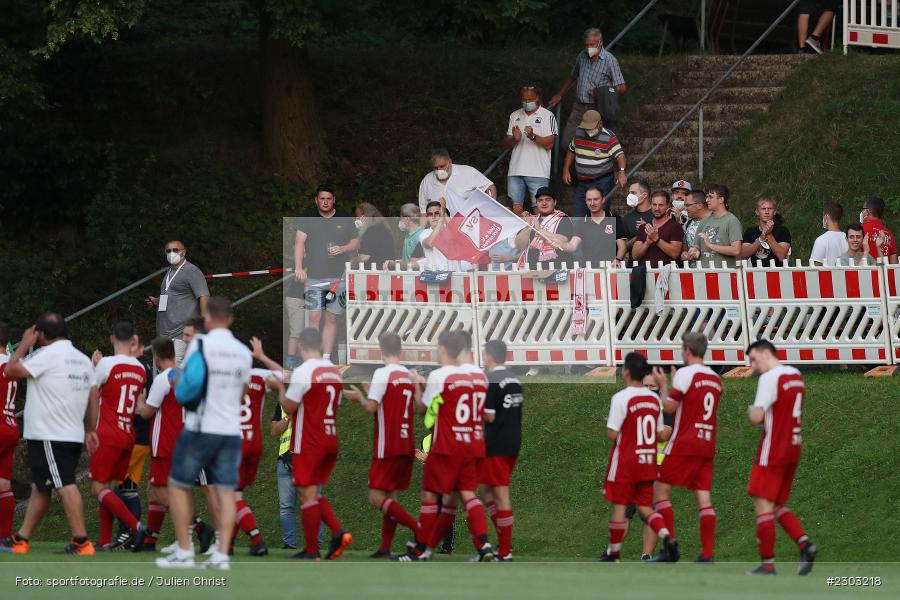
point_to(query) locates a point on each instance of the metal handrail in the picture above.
(608, 46)
(712, 89)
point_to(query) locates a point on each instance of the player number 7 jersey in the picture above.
(317, 387)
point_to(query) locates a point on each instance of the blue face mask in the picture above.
(529, 106)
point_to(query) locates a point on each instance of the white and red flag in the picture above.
(477, 223)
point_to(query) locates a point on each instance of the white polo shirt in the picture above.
(828, 247)
(60, 379)
(527, 158)
(228, 365)
(463, 181)
(435, 260)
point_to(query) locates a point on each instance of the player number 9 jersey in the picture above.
(697, 390)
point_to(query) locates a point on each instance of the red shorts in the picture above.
(772, 483)
(110, 464)
(313, 469)
(629, 492)
(249, 467)
(391, 473)
(159, 471)
(7, 451)
(444, 473)
(691, 472)
(496, 470)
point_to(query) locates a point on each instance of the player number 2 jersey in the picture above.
(780, 393)
(316, 385)
(457, 430)
(9, 428)
(635, 413)
(697, 390)
(394, 392)
(121, 380)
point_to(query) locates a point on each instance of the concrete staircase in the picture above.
(745, 94)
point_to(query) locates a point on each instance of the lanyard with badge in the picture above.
(164, 298)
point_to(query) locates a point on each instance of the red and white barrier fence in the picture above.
(813, 314)
(871, 23)
(248, 273)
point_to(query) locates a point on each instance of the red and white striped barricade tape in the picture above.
(817, 314)
(892, 294)
(707, 299)
(870, 23)
(247, 273)
(379, 301)
(534, 318)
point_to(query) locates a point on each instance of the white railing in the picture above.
(871, 23)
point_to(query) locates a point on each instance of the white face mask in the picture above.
(592, 52)
(358, 223)
(632, 200)
(442, 174)
(677, 204)
(173, 257)
(402, 225)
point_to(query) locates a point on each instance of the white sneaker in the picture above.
(170, 548)
(218, 562)
(212, 550)
(533, 372)
(176, 560)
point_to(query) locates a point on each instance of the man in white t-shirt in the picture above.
(61, 411)
(434, 259)
(531, 133)
(211, 438)
(829, 246)
(462, 179)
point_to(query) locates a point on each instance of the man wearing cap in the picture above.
(599, 161)
(556, 230)
(594, 68)
(681, 191)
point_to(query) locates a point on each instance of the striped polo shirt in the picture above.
(595, 156)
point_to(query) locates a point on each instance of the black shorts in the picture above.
(808, 7)
(53, 464)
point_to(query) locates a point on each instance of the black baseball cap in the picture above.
(544, 191)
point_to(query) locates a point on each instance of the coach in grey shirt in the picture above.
(594, 67)
(182, 295)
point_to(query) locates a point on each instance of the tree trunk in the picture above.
(293, 136)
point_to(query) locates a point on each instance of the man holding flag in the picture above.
(547, 234)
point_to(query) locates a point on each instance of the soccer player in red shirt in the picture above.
(778, 409)
(167, 418)
(391, 398)
(9, 438)
(694, 398)
(120, 379)
(634, 419)
(313, 397)
(452, 464)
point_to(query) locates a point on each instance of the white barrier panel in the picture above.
(707, 300)
(534, 318)
(817, 314)
(379, 301)
(893, 309)
(871, 23)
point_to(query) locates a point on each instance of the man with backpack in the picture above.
(213, 382)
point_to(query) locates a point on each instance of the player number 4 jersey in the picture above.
(316, 385)
(9, 428)
(635, 413)
(121, 380)
(780, 393)
(394, 392)
(697, 390)
(458, 428)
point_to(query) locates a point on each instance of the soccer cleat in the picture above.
(669, 552)
(507, 558)
(807, 557)
(486, 553)
(304, 555)
(124, 538)
(259, 549)
(381, 554)
(205, 536)
(222, 564)
(606, 557)
(137, 540)
(105, 548)
(17, 545)
(646, 557)
(709, 560)
(176, 560)
(339, 543)
(5, 544)
(763, 570)
(85, 548)
(815, 44)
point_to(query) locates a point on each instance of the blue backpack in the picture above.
(190, 390)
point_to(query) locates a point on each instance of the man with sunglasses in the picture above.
(182, 295)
